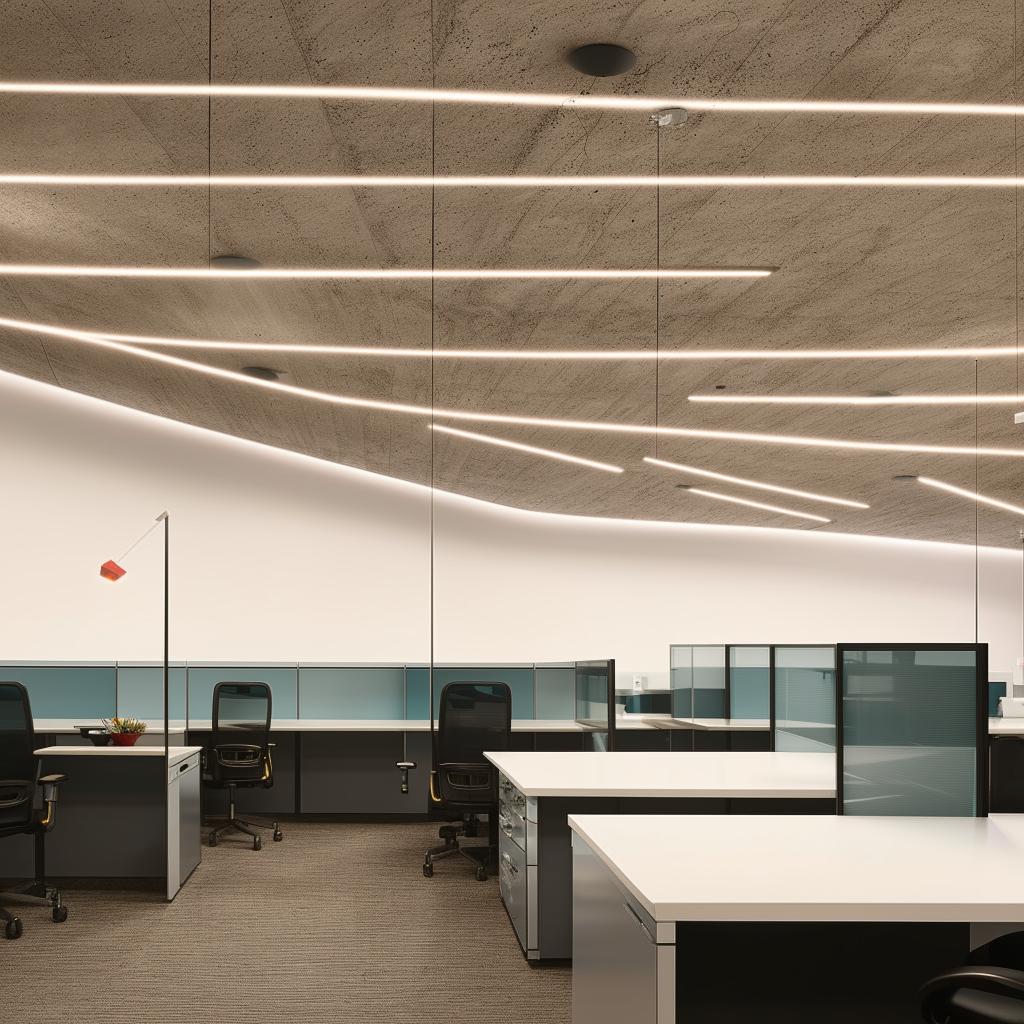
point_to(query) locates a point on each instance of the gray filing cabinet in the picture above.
(184, 845)
(517, 863)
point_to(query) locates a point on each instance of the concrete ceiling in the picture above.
(857, 267)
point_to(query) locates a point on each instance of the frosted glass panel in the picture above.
(805, 699)
(680, 658)
(709, 682)
(88, 692)
(749, 682)
(556, 692)
(592, 686)
(910, 728)
(352, 692)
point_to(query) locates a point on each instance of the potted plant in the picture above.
(124, 732)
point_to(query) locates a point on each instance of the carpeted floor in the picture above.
(335, 924)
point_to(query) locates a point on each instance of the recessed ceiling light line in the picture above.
(484, 417)
(695, 181)
(970, 495)
(757, 484)
(379, 273)
(757, 504)
(498, 98)
(853, 400)
(547, 453)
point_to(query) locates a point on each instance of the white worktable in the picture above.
(665, 774)
(175, 755)
(814, 868)
(72, 725)
(1006, 727)
(720, 724)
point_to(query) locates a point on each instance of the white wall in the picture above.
(277, 557)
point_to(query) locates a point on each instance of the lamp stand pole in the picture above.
(166, 520)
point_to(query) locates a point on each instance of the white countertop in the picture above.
(814, 867)
(732, 724)
(666, 774)
(392, 725)
(1006, 727)
(175, 754)
(68, 725)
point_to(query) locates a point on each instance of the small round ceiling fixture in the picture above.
(719, 387)
(684, 487)
(602, 60)
(670, 117)
(905, 476)
(262, 372)
(231, 261)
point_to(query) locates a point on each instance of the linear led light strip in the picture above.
(376, 273)
(507, 181)
(970, 495)
(507, 99)
(547, 453)
(757, 504)
(598, 355)
(859, 399)
(595, 426)
(743, 482)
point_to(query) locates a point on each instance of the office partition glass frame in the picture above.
(597, 667)
(981, 784)
(726, 669)
(774, 709)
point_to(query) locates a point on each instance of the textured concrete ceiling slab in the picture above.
(858, 268)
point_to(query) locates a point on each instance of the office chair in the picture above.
(474, 717)
(974, 995)
(240, 753)
(19, 816)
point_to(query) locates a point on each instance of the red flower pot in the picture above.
(125, 739)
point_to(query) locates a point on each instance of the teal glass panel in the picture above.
(88, 692)
(140, 692)
(417, 693)
(592, 693)
(709, 682)
(749, 682)
(556, 692)
(680, 661)
(646, 703)
(910, 731)
(996, 689)
(283, 683)
(805, 699)
(519, 679)
(352, 692)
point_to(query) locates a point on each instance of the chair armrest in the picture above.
(51, 787)
(52, 780)
(405, 767)
(1003, 981)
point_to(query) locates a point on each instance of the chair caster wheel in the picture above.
(60, 914)
(13, 928)
(278, 835)
(428, 870)
(257, 843)
(481, 874)
(212, 840)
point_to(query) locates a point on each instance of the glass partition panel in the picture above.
(352, 691)
(911, 718)
(805, 699)
(1000, 684)
(556, 691)
(283, 682)
(68, 692)
(595, 699)
(680, 661)
(749, 682)
(709, 677)
(518, 677)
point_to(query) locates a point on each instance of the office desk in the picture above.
(125, 812)
(537, 792)
(788, 918)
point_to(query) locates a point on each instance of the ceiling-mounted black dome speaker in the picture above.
(602, 60)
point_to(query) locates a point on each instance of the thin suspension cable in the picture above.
(133, 546)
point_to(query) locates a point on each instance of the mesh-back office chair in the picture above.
(240, 753)
(19, 783)
(975, 995)
(474, 717)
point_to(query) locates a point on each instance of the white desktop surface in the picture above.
(732, 724)
(175, 754)
(666, 774)
(814, 867)
(69, 725)
(391, 725)
(1006, 727)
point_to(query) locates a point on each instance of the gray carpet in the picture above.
(335, 924)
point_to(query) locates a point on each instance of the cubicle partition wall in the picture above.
(595, 700)
(803, 695)
(720, 681)
(912, 725)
